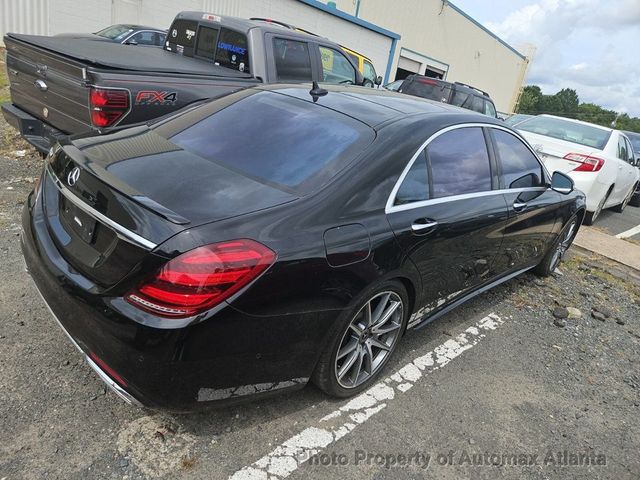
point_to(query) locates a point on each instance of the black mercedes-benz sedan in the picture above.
(283, 234)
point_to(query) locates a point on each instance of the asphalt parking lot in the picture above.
(499, 388)
(625, 225)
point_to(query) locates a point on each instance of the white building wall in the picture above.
(434, 28)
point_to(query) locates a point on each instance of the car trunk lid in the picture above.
(109, 203)
(552, 151)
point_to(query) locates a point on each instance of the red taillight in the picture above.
(107, 105)
(587, 162)
(202, 278)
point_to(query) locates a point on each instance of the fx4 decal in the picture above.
(154, 97)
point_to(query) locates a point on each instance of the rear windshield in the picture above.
(566, 130)
(427, 88)
(280, 140)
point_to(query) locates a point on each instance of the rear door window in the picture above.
(335, 67)
(459, 163)
(622, 149)
(520, 168)
(292, 59)
(232, 50)
(277, 139)
(415, 186)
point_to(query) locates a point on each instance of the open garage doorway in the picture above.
(411, 62)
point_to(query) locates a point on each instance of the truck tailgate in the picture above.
(49, 86)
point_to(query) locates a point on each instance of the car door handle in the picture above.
(518, 206)
(423, 224)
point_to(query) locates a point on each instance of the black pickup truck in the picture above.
(61, 86)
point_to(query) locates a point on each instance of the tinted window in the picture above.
(622, 149)
(183, 32)
(292, 60)
(206, 46)
(461, 99)
(415, 186)
(232, 50)
(428, 88)
(275, 138)
(520, 168)
(459, 163)
(477, 104)
(489, 109)
(567, 130)
(335, 67)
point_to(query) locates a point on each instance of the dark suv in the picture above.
(455, 93)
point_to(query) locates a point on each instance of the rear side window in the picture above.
(277, 139)
(232, 50)
(459, 163)
(415, 186)
(622, 149)
(520, 169)
(292, 59)
(489, 109)
(335, 67)
(428, 88)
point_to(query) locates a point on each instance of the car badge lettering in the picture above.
(73, 176)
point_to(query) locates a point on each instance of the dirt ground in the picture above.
(537, 384)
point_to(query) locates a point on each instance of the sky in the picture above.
(592, 46)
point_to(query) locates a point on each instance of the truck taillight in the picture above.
(107, 105)
(202, 278)
(587, 162)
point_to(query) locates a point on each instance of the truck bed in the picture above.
(107, 55)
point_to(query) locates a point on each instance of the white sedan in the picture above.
(600, 160)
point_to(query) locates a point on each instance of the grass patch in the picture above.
(4, 81)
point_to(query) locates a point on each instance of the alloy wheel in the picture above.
(369, 339)
(563, 245)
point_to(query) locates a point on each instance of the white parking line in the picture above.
(294, 452)
(629, 233)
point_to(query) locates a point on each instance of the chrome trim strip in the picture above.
(122, 232)
(115, 388)
(390, 207)
(465, 196)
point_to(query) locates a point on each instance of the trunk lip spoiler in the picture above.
(122, 232)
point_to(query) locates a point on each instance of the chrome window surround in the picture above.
(390, 207)
(122, 232)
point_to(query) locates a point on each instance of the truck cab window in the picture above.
(292, 59)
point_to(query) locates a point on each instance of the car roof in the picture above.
(373, 107)
(244, 25)
(580, 122)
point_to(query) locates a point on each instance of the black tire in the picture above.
(554, 256)
(590, 217)
(635, 200)
(325, 375)
(620, 208)
(368, 83)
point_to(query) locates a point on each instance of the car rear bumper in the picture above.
(227, 358)
(33, 130)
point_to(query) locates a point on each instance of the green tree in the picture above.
(530, 99)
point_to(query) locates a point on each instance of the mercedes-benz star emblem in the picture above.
(73, 176)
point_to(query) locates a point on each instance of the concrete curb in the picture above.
(608, 246)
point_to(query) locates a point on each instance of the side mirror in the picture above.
(562, 183)
(378, 80)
